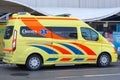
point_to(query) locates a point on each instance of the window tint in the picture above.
(8, 32)
(26, 32)
(65, 32)
(89, 34)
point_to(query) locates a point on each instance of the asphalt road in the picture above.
(78, 72)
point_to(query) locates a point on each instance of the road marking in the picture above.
(102, 75)
(66, 77)
(86, 76)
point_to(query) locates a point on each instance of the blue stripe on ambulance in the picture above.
(75, 50)
(49, 51)
(78, 59)
(52, 59)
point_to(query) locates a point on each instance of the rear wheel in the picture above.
(34, 62)
(104, 60)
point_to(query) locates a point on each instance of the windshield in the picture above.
(8, 32)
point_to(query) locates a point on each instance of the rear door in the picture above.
(8, 38)
(2, 31)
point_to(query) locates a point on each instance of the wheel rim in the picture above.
(34, 62)
(104, 60)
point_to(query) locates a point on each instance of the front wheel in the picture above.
(104, 60)
(34, 62)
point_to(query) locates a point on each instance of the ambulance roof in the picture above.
(24, 15)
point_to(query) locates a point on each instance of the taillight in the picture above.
(14, 41)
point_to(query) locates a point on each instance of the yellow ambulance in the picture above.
(35, 41)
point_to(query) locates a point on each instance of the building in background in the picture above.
(96, 13)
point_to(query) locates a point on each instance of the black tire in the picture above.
(34, 62)
(104, 60)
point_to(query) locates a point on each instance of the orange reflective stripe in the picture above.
(44, 18)
(58, 18)
(91, 59)
(60, 49)
(65, 59)
(37, 27)
(12, 18)
(85, 48)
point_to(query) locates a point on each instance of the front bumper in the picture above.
(115, 58)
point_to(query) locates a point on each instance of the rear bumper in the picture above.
(8, 58)
(7, 55)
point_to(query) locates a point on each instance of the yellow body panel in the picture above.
(53, 48)
(2, 30)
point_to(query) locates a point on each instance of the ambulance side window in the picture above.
(8, 32)
(26, 32)
(89, 34)
(65, 32)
